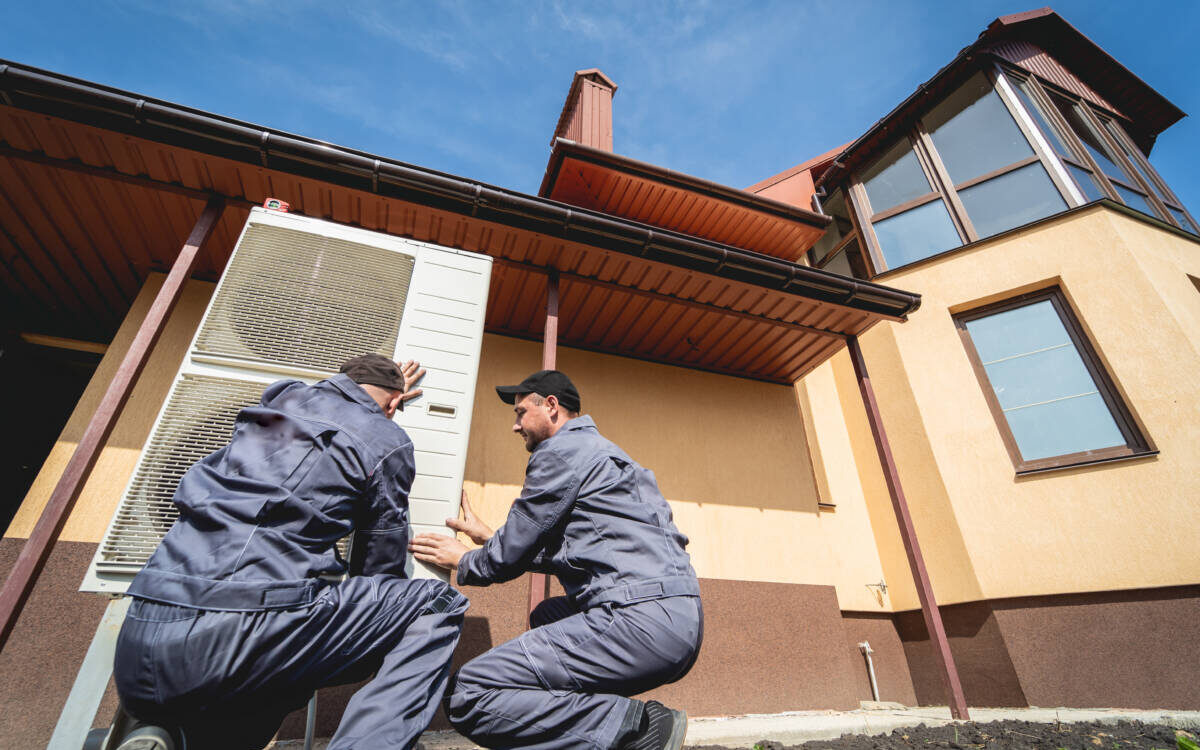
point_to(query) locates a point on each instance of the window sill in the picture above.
(1088, 462)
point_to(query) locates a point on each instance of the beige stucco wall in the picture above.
(985, 532)
(730, 455)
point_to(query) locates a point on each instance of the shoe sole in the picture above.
(678, 731)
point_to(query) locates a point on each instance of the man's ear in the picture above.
(553, 406)
(393, 403)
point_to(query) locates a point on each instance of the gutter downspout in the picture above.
(908, 533)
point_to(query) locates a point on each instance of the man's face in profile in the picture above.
(533, 421)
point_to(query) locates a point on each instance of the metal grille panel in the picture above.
(298, 299)
(197, 420)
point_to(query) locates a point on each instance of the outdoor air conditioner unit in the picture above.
(298, 297)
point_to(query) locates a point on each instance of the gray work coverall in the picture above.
(631, 620)
(234, 624)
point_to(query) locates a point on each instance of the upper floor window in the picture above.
(1053, 402)
(966, 172)
(998, 152)
(1101, 158)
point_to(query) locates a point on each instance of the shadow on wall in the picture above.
(708, 438)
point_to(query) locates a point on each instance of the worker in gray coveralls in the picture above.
(237, 617)
(631, 619)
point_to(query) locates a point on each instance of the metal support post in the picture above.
(37, 548)
(929, 607)
(539, 583)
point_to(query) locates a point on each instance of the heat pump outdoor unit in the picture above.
(298, 297)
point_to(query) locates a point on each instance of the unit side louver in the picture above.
(290, 296)
(197, 420)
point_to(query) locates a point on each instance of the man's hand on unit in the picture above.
(469, 524)
(437, 549)
(413, 372)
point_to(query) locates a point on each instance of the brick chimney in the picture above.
(587, 114)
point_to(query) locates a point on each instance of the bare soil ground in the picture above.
(996, 735)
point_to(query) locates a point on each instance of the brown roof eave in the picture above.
(163, 122)
(564, 148)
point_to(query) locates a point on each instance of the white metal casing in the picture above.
(311, 291)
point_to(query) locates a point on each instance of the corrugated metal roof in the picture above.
(1036, 60)
(86, 212)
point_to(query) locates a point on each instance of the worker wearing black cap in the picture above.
(239, 616)
(631, 619)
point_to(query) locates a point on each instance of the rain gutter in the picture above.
(163, 122)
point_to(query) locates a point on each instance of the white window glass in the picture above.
(1012, 199)
(917, 233)
(974, 133)
(895, 178)
(1049, 398)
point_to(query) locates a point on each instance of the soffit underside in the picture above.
(75, 247)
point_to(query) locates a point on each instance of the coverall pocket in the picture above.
(543, 657)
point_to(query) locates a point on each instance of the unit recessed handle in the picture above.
(441, 410)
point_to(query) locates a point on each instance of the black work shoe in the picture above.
(662, 728)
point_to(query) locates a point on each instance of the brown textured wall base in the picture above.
(766, 645)
(1123, 649)
(1130, 649)
(46, 647)
(984, 666)
(891, 665)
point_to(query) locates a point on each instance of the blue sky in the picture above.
(729, 91)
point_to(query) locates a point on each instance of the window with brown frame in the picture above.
(839, 249)
(1100, 156)
(1000, 151)
(1053, 402)
(968, 170)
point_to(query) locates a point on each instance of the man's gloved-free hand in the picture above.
(469, 524)
(412, 372)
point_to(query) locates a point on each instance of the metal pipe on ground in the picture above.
(865, 647)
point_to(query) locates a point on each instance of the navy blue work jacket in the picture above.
(259, 518)
(594, 518)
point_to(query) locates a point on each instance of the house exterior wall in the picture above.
(730, 455)
(1057, 588)
(986, 533)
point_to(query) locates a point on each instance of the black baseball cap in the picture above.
(543, 383)
(374, 369)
